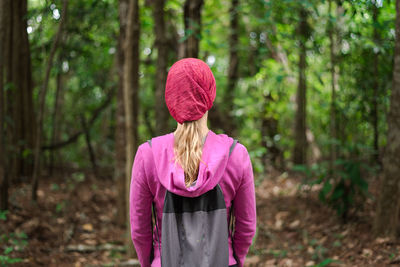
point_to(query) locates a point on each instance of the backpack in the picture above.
(195, 230)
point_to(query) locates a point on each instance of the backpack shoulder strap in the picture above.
(233, 146)
(231, 224)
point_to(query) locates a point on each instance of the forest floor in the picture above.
(73, 224)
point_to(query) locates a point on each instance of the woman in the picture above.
(193, 176)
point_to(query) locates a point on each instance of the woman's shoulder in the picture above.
(237, 149)
(154, 140)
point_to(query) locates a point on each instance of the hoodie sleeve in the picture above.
(244, 207)
(140, 199)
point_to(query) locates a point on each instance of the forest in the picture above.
(311, 88)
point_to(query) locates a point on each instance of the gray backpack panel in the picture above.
(195, 230)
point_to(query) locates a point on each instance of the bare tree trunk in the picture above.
(233, 69)
(120, 139)
(334, 84)
(192, 21)
(233, 74)
(172, 36)
(3, 177)
(131, 88)
(56, 112)
(299, 155)
(42, 99)
(387, 215)
(27, 122)
(17, 82)
(161, 43)
(375, 85)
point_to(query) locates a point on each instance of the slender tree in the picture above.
(120, 139)
(233, 69)
(376, 77)
(131, 88)
(161, 43)
(299, 155)
(17, 89)
(3, 178)
(56, 116)
(192, 21)
(42, 101)
(388, 208)
(334, 43)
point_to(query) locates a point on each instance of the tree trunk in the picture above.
(120, 139)
(375, 86)
(161, 43)
(299, 155)
(56, 115)
(3, 177)
(17, 90)
(192, 21)
(233, 69)
(387, 215)
(172, 36)
(42, 100)
(131, 88)
(334, 85)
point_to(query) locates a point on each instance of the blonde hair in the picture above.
(188, 149)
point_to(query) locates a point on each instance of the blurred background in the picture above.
(311, 88)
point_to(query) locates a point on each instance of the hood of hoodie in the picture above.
(213, 162)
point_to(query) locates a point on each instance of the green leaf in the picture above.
(337, 193)
(326, 262)
(326, 188)
(8, 250)
(3, 215)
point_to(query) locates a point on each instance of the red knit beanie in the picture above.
(190, 89)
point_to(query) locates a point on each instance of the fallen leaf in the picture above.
(87, 227)
(366, 252)
(310, 263)
(278, 224)
(381, 240)
(294, 224)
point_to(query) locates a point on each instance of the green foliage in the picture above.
(268, 70)
(326, 262)
(10, 242)
(60, 206)
(3, 215)
(319, 252)
(345, 185)
(278, 253)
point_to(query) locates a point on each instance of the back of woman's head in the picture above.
(189, 93)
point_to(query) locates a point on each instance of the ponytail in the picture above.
(188, 149)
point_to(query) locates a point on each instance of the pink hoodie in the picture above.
(154, 171)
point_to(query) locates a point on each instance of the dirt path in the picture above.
(73, 225)
(296, 229)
